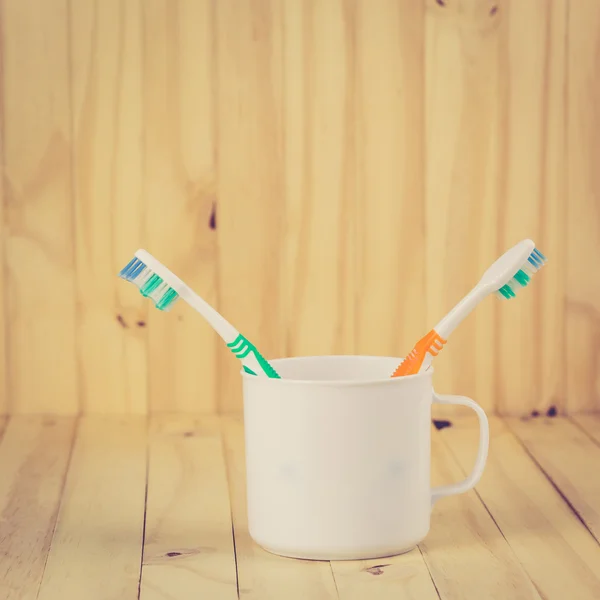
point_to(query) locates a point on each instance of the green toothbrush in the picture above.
(156, 282)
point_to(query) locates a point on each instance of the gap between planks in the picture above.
(96, 547)
(555, 548)
(188, 545)
(34, 458)
(196, 490)
(570, 466)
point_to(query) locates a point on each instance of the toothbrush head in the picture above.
(514, 269)
(150, 283)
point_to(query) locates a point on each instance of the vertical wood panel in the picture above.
(319, 65)
(250, 181)
(332, 176)
(106, 63)
(4, 397)
(40, 287)
(179, 190)
(583, 280)
(461, 107)
(531, 201)
(390, 219)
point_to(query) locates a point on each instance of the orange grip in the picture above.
(431, 343)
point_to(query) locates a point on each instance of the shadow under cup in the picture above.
(338, 457)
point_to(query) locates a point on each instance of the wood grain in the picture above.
(590, 423)
(556, 550)
(189, 544)
(332, 176)
(38, 205)
(319, 112)
(571, 465)
(531, 201)
(4, 397)
(583, 224)
(250, 182)
(462, 112)
(106, 61)
(179, 194)
(97, 543)
(403, 577)
(464, 540)
(34, 456)
(262, 575)
(389, 144)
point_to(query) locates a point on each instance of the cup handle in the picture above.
(484, 440)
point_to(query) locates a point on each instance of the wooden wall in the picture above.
(331, 174)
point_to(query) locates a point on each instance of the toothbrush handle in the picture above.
(455, 317)
(252, 361)
(429, 346)
(223, 327)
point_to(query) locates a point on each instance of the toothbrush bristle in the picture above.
(522, 277)
(169, 298)
(133, 268)
(150, 284)
(153, 282)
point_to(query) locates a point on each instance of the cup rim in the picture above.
(338, 382)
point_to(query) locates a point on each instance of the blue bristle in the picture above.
(539, 254)
(136, 270)
(125, 270)
(132, 269)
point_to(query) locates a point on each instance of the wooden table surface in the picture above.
(118, 508)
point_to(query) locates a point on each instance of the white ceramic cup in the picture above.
(338, 457)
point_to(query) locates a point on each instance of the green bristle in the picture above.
(151, 285)
(504, 292)
(168, 298)
(522, 277)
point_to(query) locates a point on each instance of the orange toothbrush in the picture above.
(512, 271)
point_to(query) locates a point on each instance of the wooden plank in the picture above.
(590, 423)
(467, 555)
(40, 286)
(462, 113)
(4, 397)
(556, 550)
(179, 191)
(583, 224)
(189, 550)
(493, 73)
(106, 61)
(250, 180)
(97, 545)
(403, 577)
(34, 456)
(389, 165)
(533, 202)
(571, 463)
(318, 117)
(262, 575)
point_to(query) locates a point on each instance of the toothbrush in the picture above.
(156, 282)
(512, 271)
